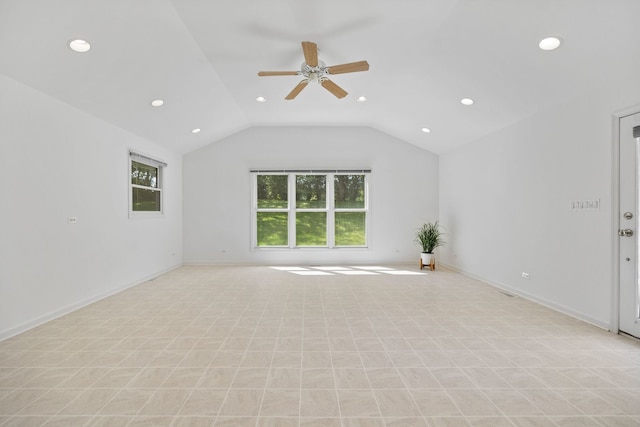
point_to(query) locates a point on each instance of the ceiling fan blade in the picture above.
(310, 50)
(277, 73)
(333, 88)
(296, 90)
(348, 68)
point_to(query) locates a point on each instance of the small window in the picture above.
(146, 184)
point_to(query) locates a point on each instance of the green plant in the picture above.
(429, 236)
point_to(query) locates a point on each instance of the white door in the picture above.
(628, 230)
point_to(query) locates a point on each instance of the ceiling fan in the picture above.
(316, 71)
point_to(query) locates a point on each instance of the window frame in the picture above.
(159, 166)
(292, 209)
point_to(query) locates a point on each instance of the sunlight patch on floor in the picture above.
(358, 273)
(311, 273)
(348, 271)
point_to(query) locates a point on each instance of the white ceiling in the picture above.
(202, 57)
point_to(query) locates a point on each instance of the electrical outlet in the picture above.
(525, 275)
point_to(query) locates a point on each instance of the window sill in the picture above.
(309, 248)
(145, 215)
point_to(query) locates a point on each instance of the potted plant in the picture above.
(429, 237)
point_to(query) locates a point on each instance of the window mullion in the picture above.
(144, 187)
(367, 217)
(331, 239)
(292, 210)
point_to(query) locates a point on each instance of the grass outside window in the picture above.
(310, 210)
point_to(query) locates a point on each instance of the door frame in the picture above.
(616, 212)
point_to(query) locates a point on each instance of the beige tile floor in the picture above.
(255, 346)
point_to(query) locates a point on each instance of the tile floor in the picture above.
(257, 346)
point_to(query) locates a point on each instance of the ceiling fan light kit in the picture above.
(315, 71)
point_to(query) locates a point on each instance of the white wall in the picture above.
(217, 192)
(505, 203)
(57, 162)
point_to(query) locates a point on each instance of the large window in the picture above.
(314, 209)
(146, 184)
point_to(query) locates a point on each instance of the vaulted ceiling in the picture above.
(201, 57)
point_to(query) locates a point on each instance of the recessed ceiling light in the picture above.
(362, 98)
(261, 99)
(466, 101)
(157, 102)
(550, 43)
(196, 130)
(426, 130)
(80, 46)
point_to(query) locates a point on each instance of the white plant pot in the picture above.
(426, 258)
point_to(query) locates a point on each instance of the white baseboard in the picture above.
(549, 304)
(73, 307)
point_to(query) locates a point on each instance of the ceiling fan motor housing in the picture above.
(314, 74)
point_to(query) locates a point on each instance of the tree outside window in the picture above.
(310, 210)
